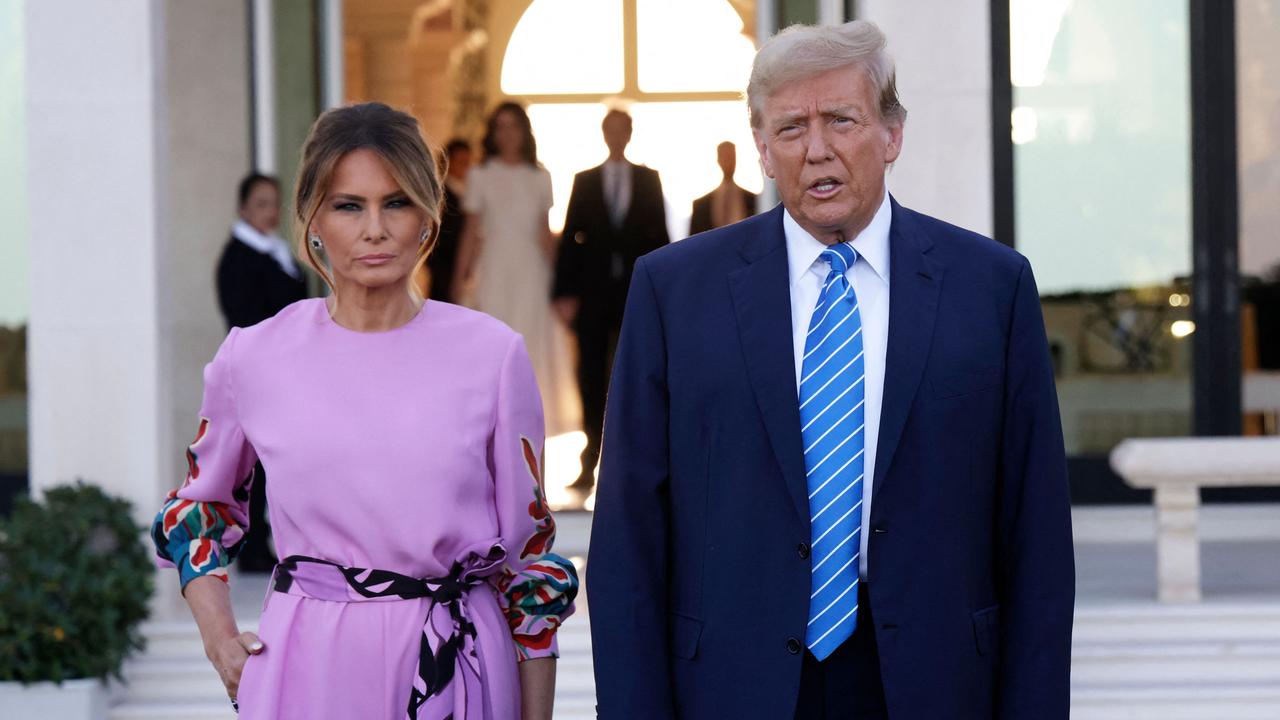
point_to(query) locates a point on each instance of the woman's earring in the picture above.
(423, 237)
(316, 244)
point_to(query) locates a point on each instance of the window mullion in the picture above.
(630, 50)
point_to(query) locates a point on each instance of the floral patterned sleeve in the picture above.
(536, 588)
(202, 524)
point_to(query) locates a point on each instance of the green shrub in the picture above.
(74, 584)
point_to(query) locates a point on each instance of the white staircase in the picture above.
(1131, 661)
(1212, 661)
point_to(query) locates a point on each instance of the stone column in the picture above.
(944, 80)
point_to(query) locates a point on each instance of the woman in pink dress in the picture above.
(404, 441)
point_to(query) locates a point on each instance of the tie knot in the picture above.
(840, 257)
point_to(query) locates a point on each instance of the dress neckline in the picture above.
(326, 319)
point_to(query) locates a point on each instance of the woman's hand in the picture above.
(225, 646)
(229, 655)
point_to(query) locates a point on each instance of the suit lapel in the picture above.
(762, 302)
(597, 179)
(914, 286)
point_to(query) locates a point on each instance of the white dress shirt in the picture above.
(869, 277)
(617, 189)
(271, 245)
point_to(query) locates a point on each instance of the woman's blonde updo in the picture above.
(391, 134)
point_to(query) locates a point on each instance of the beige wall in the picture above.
(400, 52)
(205, 151)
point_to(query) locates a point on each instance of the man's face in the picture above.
(823, 141)
(617, 132)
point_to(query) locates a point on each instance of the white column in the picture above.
(944, 80)
(830, 12)
(93, 188)
(264, 87)
(331, 54)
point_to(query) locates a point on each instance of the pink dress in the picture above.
(411, 454)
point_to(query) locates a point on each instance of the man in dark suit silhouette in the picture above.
(257, 277)
(615, 215)
(728, 203)
(834, 483)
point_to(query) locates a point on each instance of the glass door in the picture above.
(1101, 112)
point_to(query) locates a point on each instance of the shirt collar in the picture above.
(872, 244)
(271, 245)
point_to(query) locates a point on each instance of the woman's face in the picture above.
(370, 228)
(507, 134)
(262, 208)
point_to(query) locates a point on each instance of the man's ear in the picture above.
(893, 146)
(763, 149)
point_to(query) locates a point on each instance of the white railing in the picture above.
(1175, 469)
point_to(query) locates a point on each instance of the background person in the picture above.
(505, 262)
(728, 203)
(444, 257)
(615, 215)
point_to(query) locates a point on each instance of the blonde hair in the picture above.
(394, 137)
(803, 51)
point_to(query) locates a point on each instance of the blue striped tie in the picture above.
(831, 417)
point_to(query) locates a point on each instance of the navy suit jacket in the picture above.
(696, 578)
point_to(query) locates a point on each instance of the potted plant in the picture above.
(74, 585)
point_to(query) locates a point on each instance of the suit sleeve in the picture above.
(700, 216)
(659, 236)
(629, 538)
(568, 277)
(1036, 561)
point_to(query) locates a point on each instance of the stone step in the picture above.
(172, 679)
(1134, 669)
(1176, 701)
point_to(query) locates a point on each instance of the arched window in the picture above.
(680, 67)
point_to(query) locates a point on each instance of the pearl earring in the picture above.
(316, 244)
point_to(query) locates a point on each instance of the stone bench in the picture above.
(1175, 469)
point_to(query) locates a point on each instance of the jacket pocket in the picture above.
(684, 634)
(986, 629)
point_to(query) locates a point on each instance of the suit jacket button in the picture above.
(803, 550)
(793, 646)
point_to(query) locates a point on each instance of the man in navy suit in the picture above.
(833, 482)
